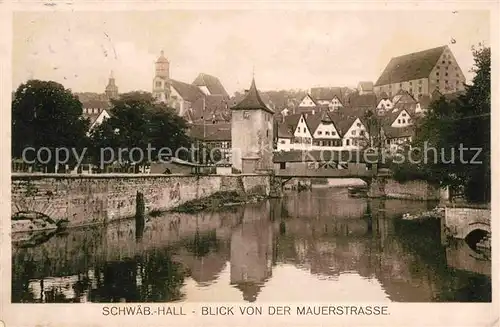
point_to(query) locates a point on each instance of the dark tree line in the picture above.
(47, 115)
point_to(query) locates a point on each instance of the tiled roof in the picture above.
(342, 121)
(252, 100)
(410, 66)
(366, 86)
(292, 120)
(396, 132)
(284, 131)
(188, 92)
(91, 104)
(319, 156)
(210, 132)
(90, 96)
(363, 100)
(326, 93)
(212, 83)
(383, 95)
(425, 101)
(215, 106)
(313, 121)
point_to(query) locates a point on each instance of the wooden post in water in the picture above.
(140, 209)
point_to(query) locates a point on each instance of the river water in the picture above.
(313, 246)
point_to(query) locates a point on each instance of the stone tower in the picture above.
(111, 89)
(161, 81)
(252, 133)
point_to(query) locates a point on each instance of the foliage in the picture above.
(137, 122)
(45, 114)
(461, 122)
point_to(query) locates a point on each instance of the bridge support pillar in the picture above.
(376, 187)
(276, 187)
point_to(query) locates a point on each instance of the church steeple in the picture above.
(161, 81)
(111, 88)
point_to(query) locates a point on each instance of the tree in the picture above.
(45, 114)
(138, 124)
(461, 122)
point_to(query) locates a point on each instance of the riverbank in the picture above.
(217, 201)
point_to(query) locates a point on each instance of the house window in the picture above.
(358, 124)
(404, 114)
(399, 121)
(437, 73)
(437, 66)
(353, 132)
(158, 84)
(404, 121)
(347, 142)
(327, 133)
(333, 133)
(320, 132)
(267, 133)
(446, 81)
(304, 129)
(282, 165)
(246, 115)
(449, 62)
(400, 84)
(362, 133)
(437, 81)
(443, 62)
(282, 142)
(445, 74)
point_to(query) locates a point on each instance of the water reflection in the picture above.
(312, 246)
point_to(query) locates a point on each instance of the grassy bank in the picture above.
(217, 200)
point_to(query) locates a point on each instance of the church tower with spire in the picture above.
(111, 89)
(252, 133)
(161, 81)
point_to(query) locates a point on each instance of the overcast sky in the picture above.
(289, 49)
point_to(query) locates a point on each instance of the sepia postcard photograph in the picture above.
(294, 165)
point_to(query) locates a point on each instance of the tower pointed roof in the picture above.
(252, 101)
(162, 57)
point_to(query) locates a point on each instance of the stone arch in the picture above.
(44, 208)
(475, 226)
(474, 232)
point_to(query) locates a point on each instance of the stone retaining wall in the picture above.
(88, 199)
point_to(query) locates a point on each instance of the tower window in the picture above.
(158, 84)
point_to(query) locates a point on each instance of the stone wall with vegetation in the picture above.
(88, 199)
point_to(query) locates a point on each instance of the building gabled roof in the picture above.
(363, 100)
(96, 104)
(326, 93)
(210, 132)
(284, 131)
(209, 107)
(212, 83)
(425, 101)
(397, 132)
(252, 101)
(403, 96)
(410, 66)
(366, 86)
(188, 92)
